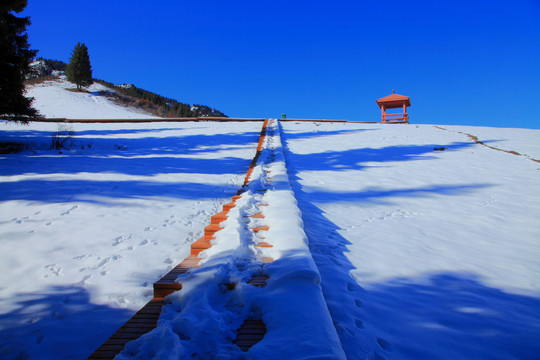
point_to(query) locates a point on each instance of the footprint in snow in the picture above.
(359, 323)
(144, 242)
(83, 281)
(118, 240)
(54, 269)
(70, 210)
(385, 345)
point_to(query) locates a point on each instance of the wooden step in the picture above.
(250, 333)
(211, 229)
(264, 244)
(261, 228)
(258, 280)
(163, 288)
(228, 206)
(142, 322)
(219, 217)
(201, 245)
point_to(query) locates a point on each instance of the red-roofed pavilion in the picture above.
(394, 101)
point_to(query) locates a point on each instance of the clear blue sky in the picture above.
(461, 62)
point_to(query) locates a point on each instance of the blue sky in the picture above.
(461, 62)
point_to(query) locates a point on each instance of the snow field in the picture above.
(200, 321)
(86, 232)
(423, 254)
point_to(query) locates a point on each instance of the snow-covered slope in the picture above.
(424, 254)
(85, 232)
(426, 243)
(53, 100)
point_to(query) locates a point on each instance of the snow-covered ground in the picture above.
(424, 254)
(54, 100)
(421, 253)
(84, 233)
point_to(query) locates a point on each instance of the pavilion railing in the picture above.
(395, 118)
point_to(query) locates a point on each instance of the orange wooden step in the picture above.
(258, 216)
(219, 217)
(261, 228)
(163, 288)
(211, 229)
(200, 245)
(228, 206)
(264, 244)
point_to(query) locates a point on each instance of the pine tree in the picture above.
(79, 70)
(15, 58)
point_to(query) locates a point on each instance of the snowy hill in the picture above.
(425, 242)
(53, 99)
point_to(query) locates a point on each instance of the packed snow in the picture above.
(389, 241)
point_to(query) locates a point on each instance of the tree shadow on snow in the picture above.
(439, 316)
(145, 156)
(103, 192)
(297, 135)
(356, 159)
(451, 316)
(59, 321)
(139, 156)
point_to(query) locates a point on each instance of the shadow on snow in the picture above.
(142, 156)
(442, 315)
(43, 325)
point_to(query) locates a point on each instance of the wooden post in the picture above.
(404, 112)
(383, 113)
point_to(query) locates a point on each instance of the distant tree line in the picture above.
(170, 107)
(44, 67)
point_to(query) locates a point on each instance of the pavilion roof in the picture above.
(394, 101)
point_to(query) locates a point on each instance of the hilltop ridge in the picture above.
(52, 72)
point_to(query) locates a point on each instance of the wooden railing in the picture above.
(395, 118)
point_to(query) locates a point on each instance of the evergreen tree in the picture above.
(15, 58)
(79, 70)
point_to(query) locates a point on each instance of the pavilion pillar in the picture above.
(405, 112)
(383, 114)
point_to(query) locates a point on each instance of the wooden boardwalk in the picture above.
(145, 320)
